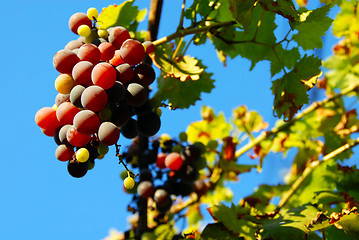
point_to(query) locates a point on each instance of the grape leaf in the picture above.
(242, 10)
(283, 58)
(216, 231)
(344, 19)
(183, 94)
(290, 92)
(120, 15)
(281, 7)
(313, 28)
(248, 121)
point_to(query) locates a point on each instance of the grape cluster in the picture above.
(103, 91)
(168, 168)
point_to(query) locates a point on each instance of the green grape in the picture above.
(91, 165)
(201, 146)
(82, 155)
(159, 112)
(129, 182)
(92, 13)
(102, 149)
(177, 148)
(84, 31)
(183, 136)
(105, 114)
(212, 144)
(102, 33)
(100, 156)
(148, 236)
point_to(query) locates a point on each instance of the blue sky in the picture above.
(39, 199)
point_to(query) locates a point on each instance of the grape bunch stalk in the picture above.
(103, 92)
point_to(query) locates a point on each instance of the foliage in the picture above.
(319, 198)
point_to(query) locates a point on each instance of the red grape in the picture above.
(75, 95)
(116, 59)
(174, 161)
(146, 74)
(117, 36)
(64, 152)
(104, 75)
(78, 19)
(108, 133)
(65, 113)
(81, 72)
(46, 118)
(64, 61)
(150, 48)
(124, 73)
(76, 138)
(145, 189)
(89, 52)
(107, 51)
(60, 98)
(86, 122)
(94, 98)
(132, 52)
(160, 162)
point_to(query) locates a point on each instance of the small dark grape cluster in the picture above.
(168, 169)
(103, 91)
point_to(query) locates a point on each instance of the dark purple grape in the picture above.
(184, 188)
(56, 136)
(129, 130)
(116, 93)
(75, 95)
(145, 175)
(191, 153)
(148, 124)
(161, 197)
(124, 73)
(136, 94)
(121, 114)
(145, 189)
(144, 108)
(77, 169)
(146, 74)
(200, 187)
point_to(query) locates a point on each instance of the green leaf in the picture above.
(120, 15)
(290, 92)
(313, 28)
(242, 10)
(350, 225)
(284, 8)
(283, 58)
(216, 231)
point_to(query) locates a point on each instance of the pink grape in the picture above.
(64, 153)
(117, 36)
(78, 19)
(108, 133)
(86, 122)
(81, 72)
(174, 161)
(104, 75)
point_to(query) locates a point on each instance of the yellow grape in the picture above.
(54, 106)
(64, 83)
(82, 155)
(102, 33)
(84, 31)
(92, 13)
(129, 182)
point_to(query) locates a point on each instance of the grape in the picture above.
(82, 155)
(124, 73)
(77, 20)
(149, 156)
(116, 59)
(46, 118)
(177, 148)
(64, 60)
(188, 173)
(56, 135)
(49, 131)
(183, 136)
(65, 113)
(105, 114)
(136, 94)
(107, 51)
(146, 175)
(148, 124)
(73, 44)
(145, 189)
(129, 182)
(104, 75)
(121, 114)
(92, 38)
(212, 144)
(89, 52)
(81, 72)
(132, 52)
(184, 188)
(60, 98)
(102, 149)
(117, 36)
(64, 83)
(77, 169)
(94, 98)
(161, 197)
(160, 162)
(145, 73)
(64, 153)
(191, 153)
(174, 161)
(116, 93)
(102, 33)
(97, 41)
(90, 165)
(84, 30)
(92, 13)
(149, 47)
(75, 95)
(200, 187)
(129, 130)
(76, 138)
(108, 133)
(62, 134)
(143, 109)
(86, 122)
